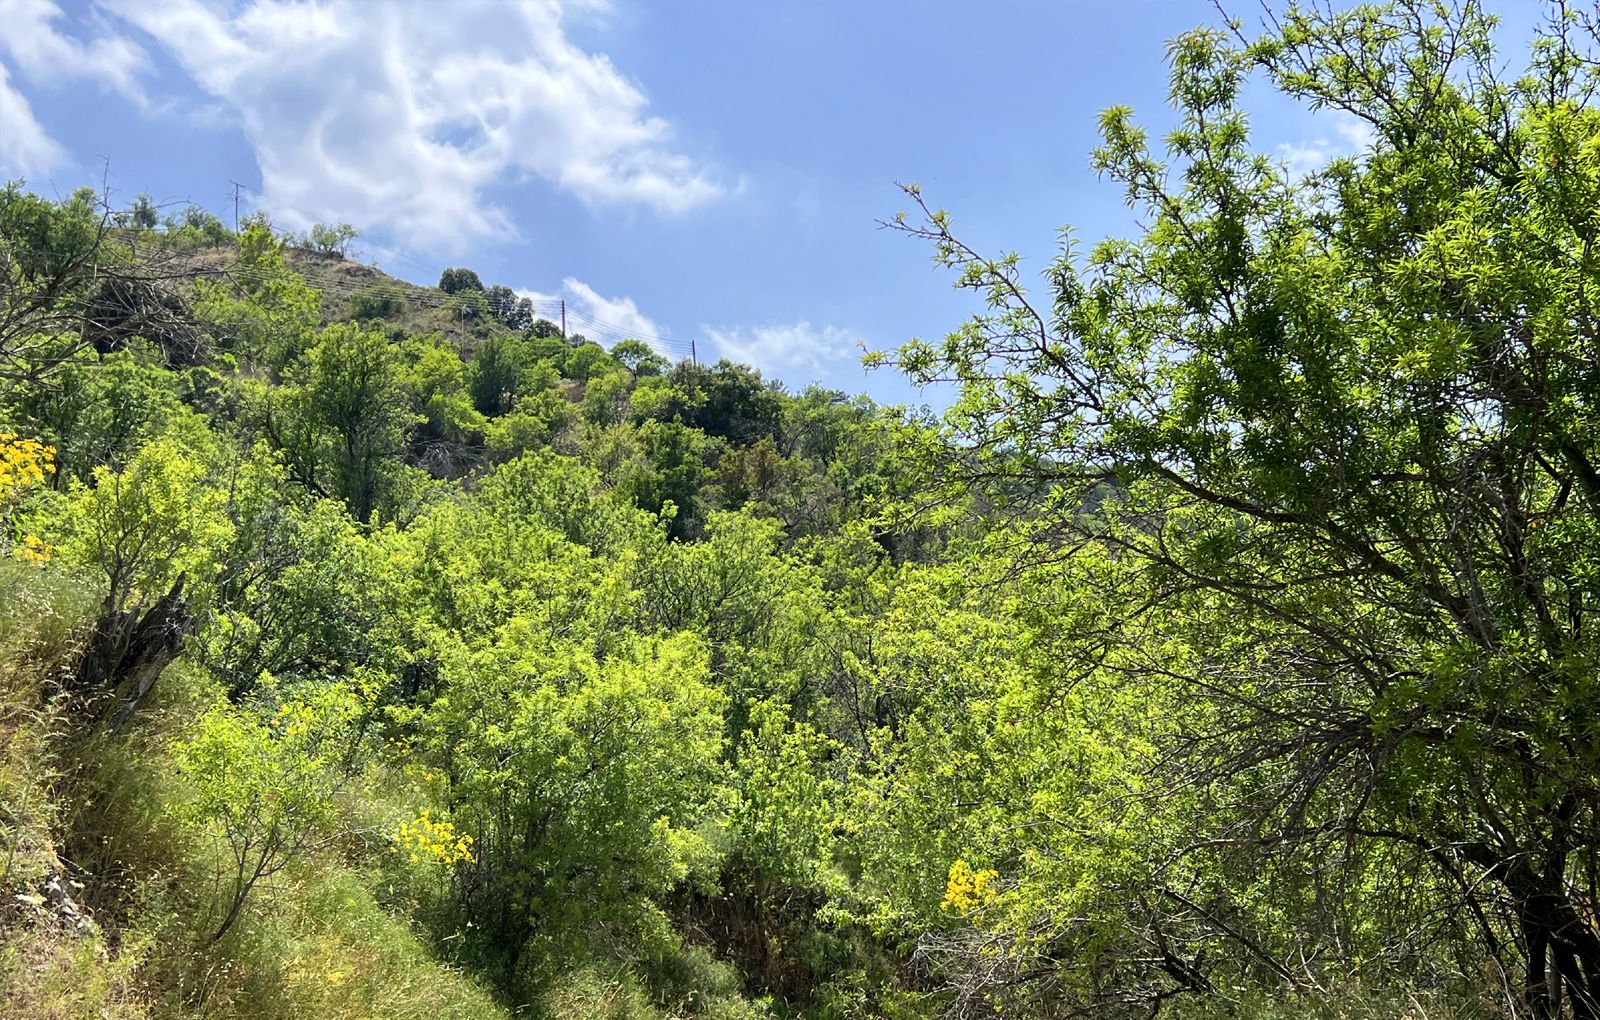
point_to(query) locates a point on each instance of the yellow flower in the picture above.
(35, 550)
(23, 462)
(967, 890)
(438, 842)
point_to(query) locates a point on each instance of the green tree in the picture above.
(638, 358)
(263, 789)
(543, 329)
(379, 301)
(303, 593)
(454, 281)
(51, 256)
(513, 312)
(342, 428)
(196, 227)
(102, 411)
(1344, 426)
(726, 400)
(540, 416)
(667, 467)
(435, 384)
(605, 398)
(354, 395)
(586, 360)
(583, 782)
(145, 526)
(331, 238)
(141, 215)
(262, 311)
(496, 374)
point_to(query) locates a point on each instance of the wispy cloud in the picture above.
(1347, 136)
(25, 148)
(601, 318)
(620, 313)
(46, 56)
(401, 116)
(787, 350)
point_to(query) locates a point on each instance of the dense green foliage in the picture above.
(1227, 649)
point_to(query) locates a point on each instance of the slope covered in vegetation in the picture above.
(1227, 650)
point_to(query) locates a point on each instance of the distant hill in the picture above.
(345, 282)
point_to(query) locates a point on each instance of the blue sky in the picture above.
(685, 170)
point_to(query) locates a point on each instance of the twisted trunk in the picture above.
(127, 653)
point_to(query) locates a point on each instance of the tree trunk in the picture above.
(1563, 952)
(128, 652)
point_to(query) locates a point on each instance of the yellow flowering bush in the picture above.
(436, 842)
(294, 719)
(34, 550)
(24, 463)
(968, 890)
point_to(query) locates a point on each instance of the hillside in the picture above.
(337, 279)
(1228, 650)
(425, 309)
(223, 497)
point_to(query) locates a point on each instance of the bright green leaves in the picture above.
(263, 312)
(791, 782)
(1330, 412)
(53, 255)
(1330, 443)
(101, 411)
(614, 620)
(582, 780)
(148, 524)
(343, 424)
(434, 381)
(264, 789)
(306, 594)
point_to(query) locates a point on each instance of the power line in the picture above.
(619, 333)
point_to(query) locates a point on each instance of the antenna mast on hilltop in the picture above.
(236, 187)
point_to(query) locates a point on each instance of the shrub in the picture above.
(379, 301)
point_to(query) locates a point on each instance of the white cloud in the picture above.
(601, 318)
(47, 57)
(1301, 158)
(1358, 135)
(402, 115)
(786, 349)
(620, 313)
(1352, 136)
(25, 149)
(540, 299)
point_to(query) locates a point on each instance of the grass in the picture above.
(97, 809)
(50, 974)
(43, 616)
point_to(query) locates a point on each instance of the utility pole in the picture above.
(236, 187)
(694, 355)
(563, 318)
